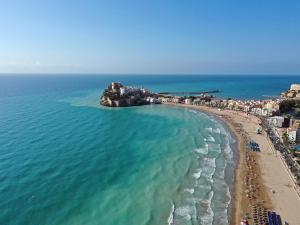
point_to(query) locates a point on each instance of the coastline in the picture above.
(261, 178)
(236, 212)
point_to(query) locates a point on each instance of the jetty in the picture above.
(190, 92)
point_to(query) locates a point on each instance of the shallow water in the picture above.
(84, 165)
(65, 160)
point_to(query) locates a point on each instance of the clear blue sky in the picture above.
(153, 36)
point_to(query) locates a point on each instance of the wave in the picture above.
(213, 130)
(208, 180)
(210, 139)
(228, 150)
(227, 134)
(197, 174)
(203, 150)
(209, 168)
(187, 212)
(228, 195)
(214, 147)
(204, 187)
(171, 216)
(217, 130)
(208, 218)
(210, 162)
(190, 190)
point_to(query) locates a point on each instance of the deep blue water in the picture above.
(65, 160)
(243, 87)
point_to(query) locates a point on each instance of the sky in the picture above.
(150, 36)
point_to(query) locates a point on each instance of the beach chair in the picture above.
(270, 218)
(279, 222)
(274, 218)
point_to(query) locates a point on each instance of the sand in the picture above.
(262, 180)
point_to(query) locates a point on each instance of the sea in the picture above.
(65, 160)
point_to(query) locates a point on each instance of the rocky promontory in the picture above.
(118, 95)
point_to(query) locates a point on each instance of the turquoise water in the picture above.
(65, 160)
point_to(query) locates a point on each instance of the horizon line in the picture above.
(148, 74)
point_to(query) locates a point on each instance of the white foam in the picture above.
(215, 147)
(203, 187)
(208, 218)
(223, 215)
(213, 134)
(203, 150)
(190, 190)
(214, 130)
(228, 195)
(171, 216)
(227, 134)
(209, 168)
(186, 212)
(210, 162)
(217, 131)
(197, 174)
(227, 150)
(210, 139)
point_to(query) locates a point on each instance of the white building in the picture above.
(276, 121)
(175, 100)
(187, 101)
(164, 100)
(295, 87)
(294, 135)
(123, 91)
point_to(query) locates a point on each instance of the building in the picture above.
(116, 86)
(187, 101)
(153, 100)
(123, 91)
(276, 121)
(294, 135)
(295, 87)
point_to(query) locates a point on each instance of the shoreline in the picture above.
(261, 180)
(235, 214)
(239, 203)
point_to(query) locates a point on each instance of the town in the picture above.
(279, 118)
(273, 139)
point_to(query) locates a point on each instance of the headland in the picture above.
(118, 95)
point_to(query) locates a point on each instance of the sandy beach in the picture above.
(262, 181)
